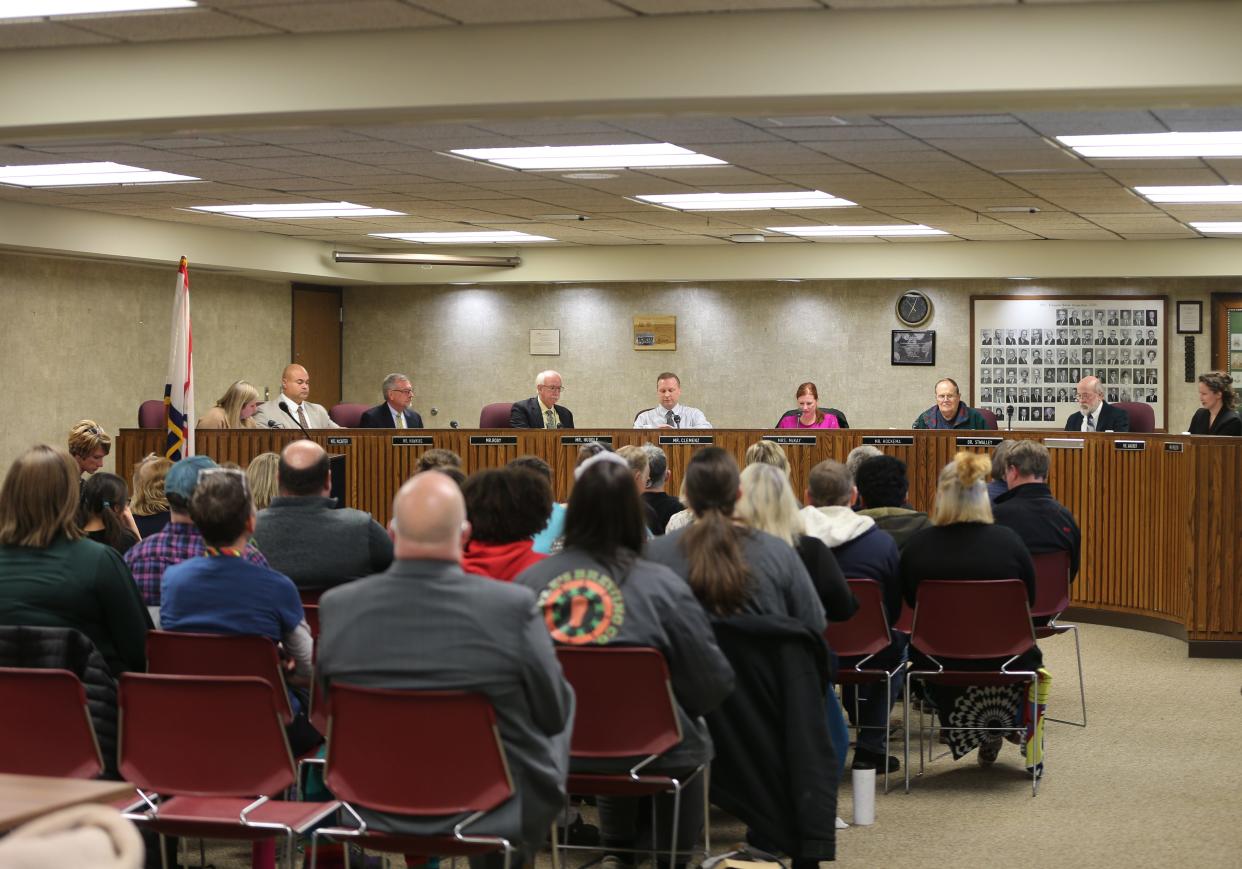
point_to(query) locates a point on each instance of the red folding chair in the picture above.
(187, 654)
(625, 709)
(1052, 597)
(46, 727)
(422, 753)
(215, 764)
(859, 639)
(971, 620)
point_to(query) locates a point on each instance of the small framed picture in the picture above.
(1189, 318)
(914, 347)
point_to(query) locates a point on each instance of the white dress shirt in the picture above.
(690, 417)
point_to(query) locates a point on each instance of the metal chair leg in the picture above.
(1082, 689)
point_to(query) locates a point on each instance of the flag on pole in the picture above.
(179, 390)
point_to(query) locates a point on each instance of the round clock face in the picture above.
(913, 308)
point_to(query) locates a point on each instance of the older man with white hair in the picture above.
(544, 410)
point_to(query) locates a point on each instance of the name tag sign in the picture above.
(888, 440)
(792, 440)
(990, 443)
(692, 440)
(340, 442)
(493, 440)
(412, 441)
(1130, 446)
(1063, 443)
(1174, 447)
(580, 440)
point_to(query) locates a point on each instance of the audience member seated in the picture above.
(306, 537)
(180, 539)
(658, 475)
(1217, 416)
(437, 459)
(653, 607)
(965, 544)
(636, 458)
(89, 445)
(51, 576)
(768, 453)
(103, 512)
(882, 488)
(235, 409)
(548, 540)
(683, 518)
(149, 506)
(219, 592)
(404, 628)
(262, 476)
(808, 414)
(864, 551)
(949, 411)
(997, 485)
(858, 455)
(506, 507)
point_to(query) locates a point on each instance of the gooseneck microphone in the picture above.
(285, 408)
(1009, 416)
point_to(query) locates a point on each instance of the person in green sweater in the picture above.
(949, 411)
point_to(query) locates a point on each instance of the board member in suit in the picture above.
(395, 411)
(670, 412)
(1096, 413)
(294, 390)
(1217, 416)
(542, 411)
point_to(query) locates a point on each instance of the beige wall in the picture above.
(742, 347)
(90, 339)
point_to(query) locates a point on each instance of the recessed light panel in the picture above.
(1218, 227)
(84, 175)
(1224, 144)
(497, 237)
(591, 156)
(1202, 193)
(51, 8)
(295, 210)
(747, 201)
(892, 230)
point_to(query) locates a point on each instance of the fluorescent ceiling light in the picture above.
(591, 156)
(857, 231)
(496, 237)
(1225, 144)
(297, 210)
(1202, 193)
(1210, 227)
(84, 175)
(747, 201)
(50, 8)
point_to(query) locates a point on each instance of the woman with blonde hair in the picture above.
(767, 453)
(261, 476)
(149, 506)
(234, 409)
(89, 445)
(963, 543)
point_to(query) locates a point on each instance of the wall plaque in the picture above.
(493, 440)
(412, 441)
(694, 440)
(888, 440)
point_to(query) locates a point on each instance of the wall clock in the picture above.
(914, 308)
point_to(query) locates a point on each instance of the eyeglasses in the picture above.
(553, 388)
(406, 391)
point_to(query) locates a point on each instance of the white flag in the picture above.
(179, 390)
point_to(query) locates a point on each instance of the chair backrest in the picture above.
(972, 619)
(988, 417)
(348, 414)
(1052, 584)
(625, 705)
(865, 632)
(839, 414)
(495, 415)
(151, 414)
(46, 725)
(209, 736)
(187, 654)
(1142, 417)
(905, 621)
(415, 752)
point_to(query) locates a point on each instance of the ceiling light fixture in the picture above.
(659, 155)
(1214, 227)
(53, 8)
(498, 237)
(426, 260)
(589, 176)
(84, 175)
(1201, 193)
(1222, 144)
(297, 210)
(900, 229)
(747, 201)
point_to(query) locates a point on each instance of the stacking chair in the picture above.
(422, 753)
(46, 727)
(1052, 597)
(188, 654)
(859, 639)
(625, 709)
(215, 764)
(971, 620)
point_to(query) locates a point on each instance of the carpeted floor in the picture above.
(1153, 781)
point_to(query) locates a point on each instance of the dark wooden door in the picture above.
(317, 339)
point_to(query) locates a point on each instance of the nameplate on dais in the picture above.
(792, 440)
(990, 443)
(888, 440)
(340, 442)
(412, 441)
(582, 440)
(1130, 446)
(1063, 443)
(1174, 447)
(493, 440)
(693, 440)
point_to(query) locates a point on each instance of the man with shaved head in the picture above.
(306, 536)
(297, 411)
(426, 624)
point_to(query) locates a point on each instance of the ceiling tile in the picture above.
(46, 34)
(176, 24)
(354, 15)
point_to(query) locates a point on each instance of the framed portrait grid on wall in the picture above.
(1030, 352)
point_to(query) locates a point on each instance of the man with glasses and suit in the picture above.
(542, 411)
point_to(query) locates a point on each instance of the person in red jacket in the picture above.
(507, 507)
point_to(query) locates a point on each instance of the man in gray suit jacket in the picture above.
(294, 390)
(426, 624)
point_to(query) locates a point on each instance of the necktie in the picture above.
(1090, 422)
(302, 417)
(401, 420)
(549, 419)
(668, 418)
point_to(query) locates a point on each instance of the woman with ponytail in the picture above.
(104, 515)
(964, 544)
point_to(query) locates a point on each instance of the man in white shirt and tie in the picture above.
(670, 413)
(394, 411)
(297, 411)
(1096, 413)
